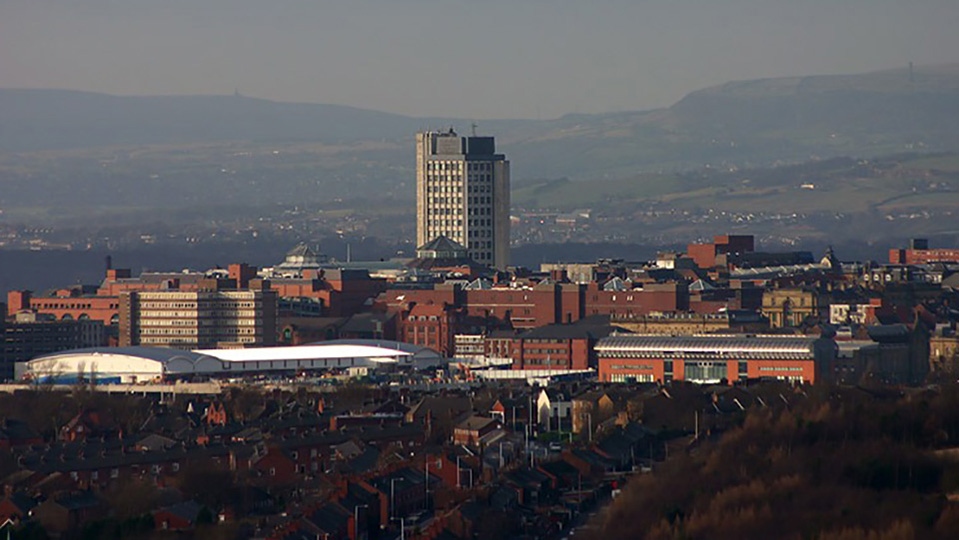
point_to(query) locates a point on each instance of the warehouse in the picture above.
(145, 364)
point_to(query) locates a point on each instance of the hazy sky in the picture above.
(464, 58)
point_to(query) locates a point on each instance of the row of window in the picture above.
(546, 351)
(194, 314)
(57, 305)
(193, 332)
(638, 378)
(440, 165)
(193, 323)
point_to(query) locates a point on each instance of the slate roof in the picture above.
(443, 244)
(476, 423)
(186, 510)
(588, 328)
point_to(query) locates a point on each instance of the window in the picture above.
(705, 371)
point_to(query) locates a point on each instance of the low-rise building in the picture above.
(711, 359)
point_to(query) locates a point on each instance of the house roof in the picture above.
(186, 510)
(442, 244)
(588, 328)
(476, 423)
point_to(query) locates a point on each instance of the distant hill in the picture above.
(64, 119)
(743, 124)
(760, 123)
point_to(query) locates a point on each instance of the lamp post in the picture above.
(356, 519)
(393, 496)
(402, 527)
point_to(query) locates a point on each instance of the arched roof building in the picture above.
(140, 364)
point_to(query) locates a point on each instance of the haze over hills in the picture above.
(854, 161)
(742, 124)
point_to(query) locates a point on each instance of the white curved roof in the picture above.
(306, 352)
(140, 362)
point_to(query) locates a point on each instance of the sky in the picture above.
(460, 58)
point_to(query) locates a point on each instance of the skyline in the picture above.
(425, 57)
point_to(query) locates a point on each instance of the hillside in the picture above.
(842, 463)
(744, 124)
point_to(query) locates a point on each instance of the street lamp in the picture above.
(402, 527)
(393, 495)
(356, 519)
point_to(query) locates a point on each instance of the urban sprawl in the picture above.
(450, 395)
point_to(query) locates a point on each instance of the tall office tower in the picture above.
(462, 192)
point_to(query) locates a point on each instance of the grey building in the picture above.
(32, 334)
(462, 192)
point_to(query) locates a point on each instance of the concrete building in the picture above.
(462, 192)
(32, 334)
(203, 319)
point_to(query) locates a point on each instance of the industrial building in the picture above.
(152, 364)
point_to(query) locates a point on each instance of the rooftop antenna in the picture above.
(473, 127)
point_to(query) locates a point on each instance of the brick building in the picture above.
(711, 359)
(544, 303)
(559, 346)
(429, 325)
(705, 255)
(67, 304)
(918, 252)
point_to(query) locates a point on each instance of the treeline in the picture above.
(838, 464)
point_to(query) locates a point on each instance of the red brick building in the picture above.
(66, 304)
(704, 255)
(559, 346)
(922, 256)
(711, 359)
(429, 325)
(545, 303)
(471, 431)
